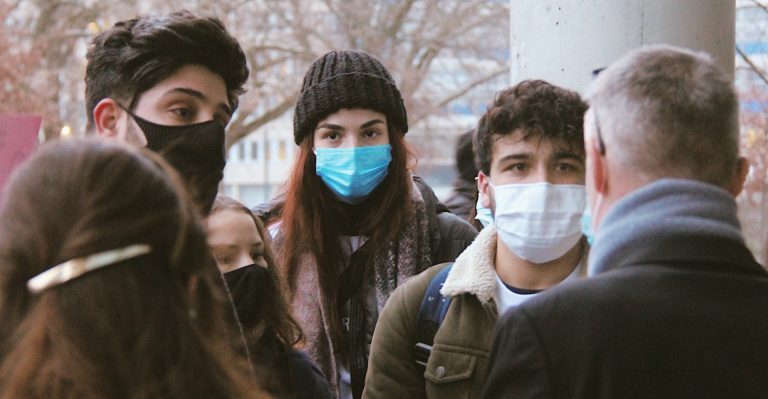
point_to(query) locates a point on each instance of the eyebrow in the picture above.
(371, 123)
(521, 156)
(568, 155)
(194, 93)
(331, 126)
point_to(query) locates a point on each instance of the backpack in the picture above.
(432, 311)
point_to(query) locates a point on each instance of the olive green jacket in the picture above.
(458, 364)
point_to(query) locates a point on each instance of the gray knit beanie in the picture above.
(347, 79)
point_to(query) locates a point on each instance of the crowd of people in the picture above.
(591, 249)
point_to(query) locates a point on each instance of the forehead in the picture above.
(354, 116)
(534, 145)
(226, 224)
(195, 78)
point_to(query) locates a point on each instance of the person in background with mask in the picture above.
(354, 224)
(530, 153)
(240, 245)
(675, 307)
(169, 83)
(462, 200)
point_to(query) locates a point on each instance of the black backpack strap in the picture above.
(432, 311)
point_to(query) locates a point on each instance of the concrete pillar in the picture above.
(563, 41)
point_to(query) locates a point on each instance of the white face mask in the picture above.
(484, 215)
(539, 222)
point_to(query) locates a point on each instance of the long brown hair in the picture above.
(150, 326)
(312, 216)
(277, 315)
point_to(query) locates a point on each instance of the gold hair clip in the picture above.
(74, 268)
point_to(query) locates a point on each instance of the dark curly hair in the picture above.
(538, 109)
(135, 55)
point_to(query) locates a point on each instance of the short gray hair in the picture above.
(665, 111)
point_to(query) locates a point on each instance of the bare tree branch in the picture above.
(759, 72)
(237, 132)
(761, 5)
(461, 92)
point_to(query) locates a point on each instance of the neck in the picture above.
(520, 273)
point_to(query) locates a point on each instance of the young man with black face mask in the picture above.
(169, 83)
(529, 150)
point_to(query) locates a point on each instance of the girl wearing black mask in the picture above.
(240, 247)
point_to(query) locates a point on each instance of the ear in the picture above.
(596, 169)
(483, 189)
(105, 117)
(739, 177)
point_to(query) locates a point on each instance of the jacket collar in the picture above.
(675, 221)
(474, 272)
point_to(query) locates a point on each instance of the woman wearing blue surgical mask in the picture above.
(354, 223)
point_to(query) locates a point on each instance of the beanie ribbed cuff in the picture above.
(347, 79)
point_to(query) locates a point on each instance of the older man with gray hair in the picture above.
(677, 304)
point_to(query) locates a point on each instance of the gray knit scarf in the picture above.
(399, 260)
(661, 210)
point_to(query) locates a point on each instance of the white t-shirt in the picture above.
(506, 298)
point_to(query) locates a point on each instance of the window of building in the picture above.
(254, 150)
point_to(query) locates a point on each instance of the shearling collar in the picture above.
(474, 272)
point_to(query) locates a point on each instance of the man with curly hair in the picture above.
(169, 83)
(530, 156)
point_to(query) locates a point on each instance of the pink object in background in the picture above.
(18, 136)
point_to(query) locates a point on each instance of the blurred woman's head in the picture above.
(240, 244)
(139, 323)
(236, 237)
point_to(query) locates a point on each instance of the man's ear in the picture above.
(739, 176)
(483, 189)
(105, 117)
(596, 169)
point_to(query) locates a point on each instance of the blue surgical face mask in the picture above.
(484, 215)
(352, 173)
(586, 225)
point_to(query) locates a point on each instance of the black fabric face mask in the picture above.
(196, 151)
(250, 287)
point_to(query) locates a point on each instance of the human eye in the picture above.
(564, 167)
(519, 167)
(371, 133)
(183, 113)
(224, 259)
(330, 135)
(567, 167)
